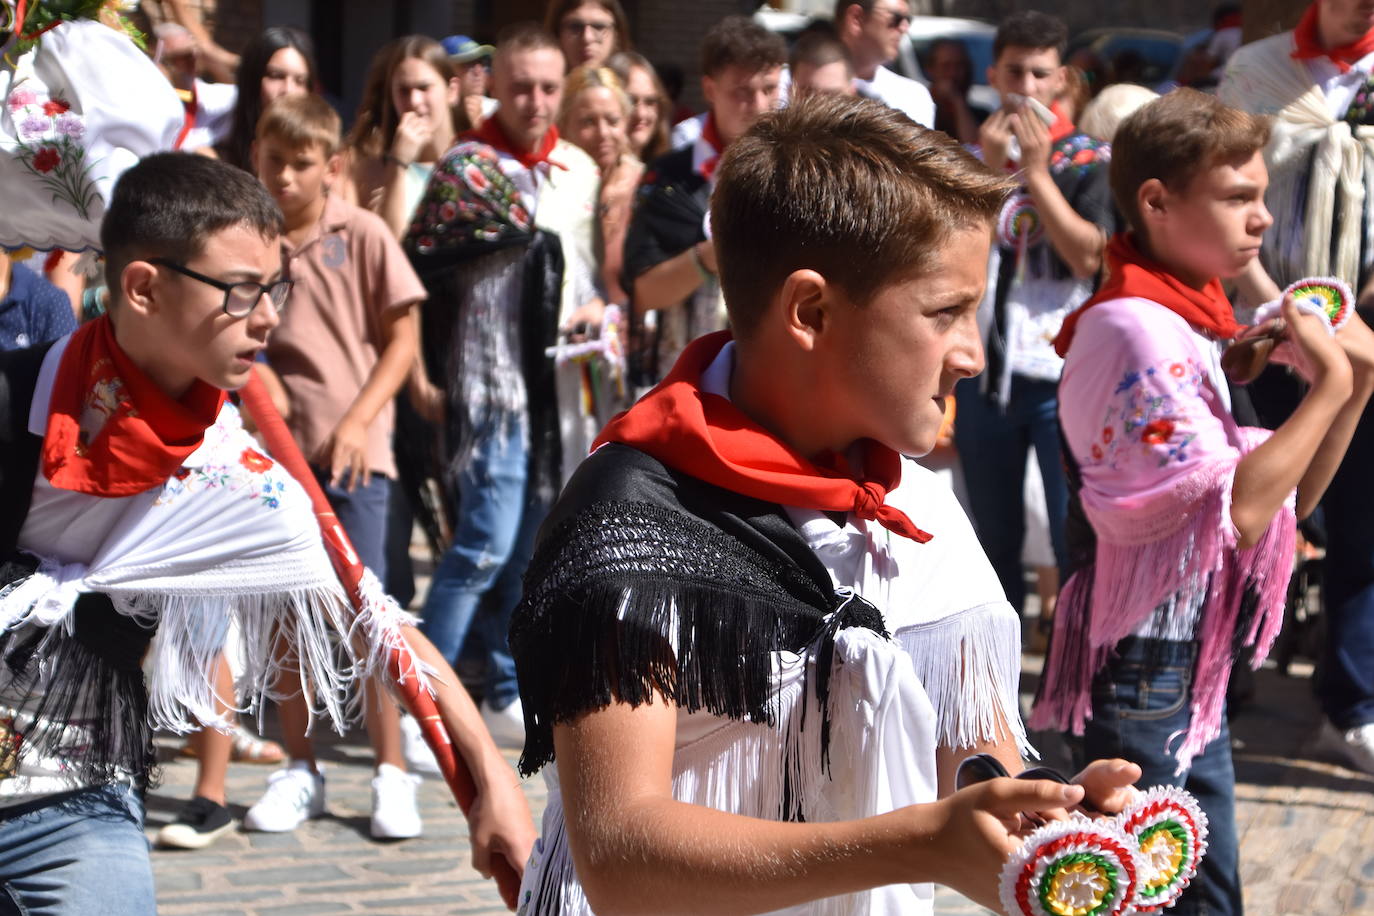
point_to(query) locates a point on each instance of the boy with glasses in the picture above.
(872, 30)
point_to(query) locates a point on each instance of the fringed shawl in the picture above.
(230, 535)
(1151, 450)
(1321, 170)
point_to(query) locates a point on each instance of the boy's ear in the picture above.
(137, 287)
(708, 91)
(1151, 199)
(332, 169)
(805, 301)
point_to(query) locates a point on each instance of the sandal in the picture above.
(247, 748)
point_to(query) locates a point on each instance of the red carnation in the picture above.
(255, 461)
(1157, 432)
(54, 107)
(46, 159)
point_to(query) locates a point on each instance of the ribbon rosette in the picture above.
(1170, 832)
(1077, 867)
(1020, 226)
(1327, 297)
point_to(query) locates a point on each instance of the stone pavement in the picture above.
(1306, 827)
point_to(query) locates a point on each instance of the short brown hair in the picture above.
(302, 120)
(524, 36)
(820, 49)
(738, 41)
(1175, 138)
(847, 187)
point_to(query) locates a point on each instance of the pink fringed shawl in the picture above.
(1157, 449)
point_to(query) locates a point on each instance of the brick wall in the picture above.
(670, 31)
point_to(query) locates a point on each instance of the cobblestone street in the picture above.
(1306, 826)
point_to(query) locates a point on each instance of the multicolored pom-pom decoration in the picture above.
(1077, 867)
(1330, 295)
(1325, 296)
(1020, 224)
(1170, 832)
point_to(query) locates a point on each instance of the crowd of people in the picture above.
(734, 434)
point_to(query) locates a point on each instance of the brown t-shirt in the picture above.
(348, 275)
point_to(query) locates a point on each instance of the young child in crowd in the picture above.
(134, 502)
(342, 352)
(703, 643)
(1182, 520)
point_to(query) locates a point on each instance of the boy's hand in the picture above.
(499, 824)
(995, 138)
(983, 824)
(1109, 785)
(588, 318)
(1357, 341)
(413, 131)
(1033, 136)
(344, 453)
(1309, 347)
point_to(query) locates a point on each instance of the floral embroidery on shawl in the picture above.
(1078, 153)
(468, 199)
(47, 140)
(1147, 415)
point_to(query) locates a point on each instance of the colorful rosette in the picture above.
(1331, 296)
(1325, 296)
(1020, 225)
(1076, 867)
(1170, 832)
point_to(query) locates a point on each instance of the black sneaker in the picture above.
(198, 824)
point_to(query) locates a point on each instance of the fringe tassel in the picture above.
(970, 667)
(1064, 701)
(73, 702)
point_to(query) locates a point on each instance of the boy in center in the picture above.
(755, 640)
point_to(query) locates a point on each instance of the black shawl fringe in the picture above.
(626, 599)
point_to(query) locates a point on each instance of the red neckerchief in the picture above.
(111, 430)
(710, 135)
(188, 121)
(1132, 275)
(1307, 41)
(1229, 21)
(707, 436)
(494, 135)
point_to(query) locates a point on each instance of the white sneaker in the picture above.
(507, 725)
(293, 796)
(418, 756)
(1354, 746)
(395, 816)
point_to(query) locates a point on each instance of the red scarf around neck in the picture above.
(1133, 275)
(493, 134)
(1308, 45)
(111, 430)
(710, 135)
(707, 436)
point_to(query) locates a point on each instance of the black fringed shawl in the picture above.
(648, 580)
(95, 677)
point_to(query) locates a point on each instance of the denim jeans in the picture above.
(483, 568)
(363, 514)
(76, 854)
(992, 446)
(1345, 678)
(1141, 706)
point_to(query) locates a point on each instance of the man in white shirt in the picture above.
(872, 31)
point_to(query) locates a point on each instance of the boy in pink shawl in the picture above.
(1182, 521)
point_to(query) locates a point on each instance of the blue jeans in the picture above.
(1141, 706)
(992, 446)
(1345, 678)
(363, 514)
(493, 541)
(75, 854)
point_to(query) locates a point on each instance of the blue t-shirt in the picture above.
(33, 311)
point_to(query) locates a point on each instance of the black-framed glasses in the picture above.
(240, 297)
(578, 26)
